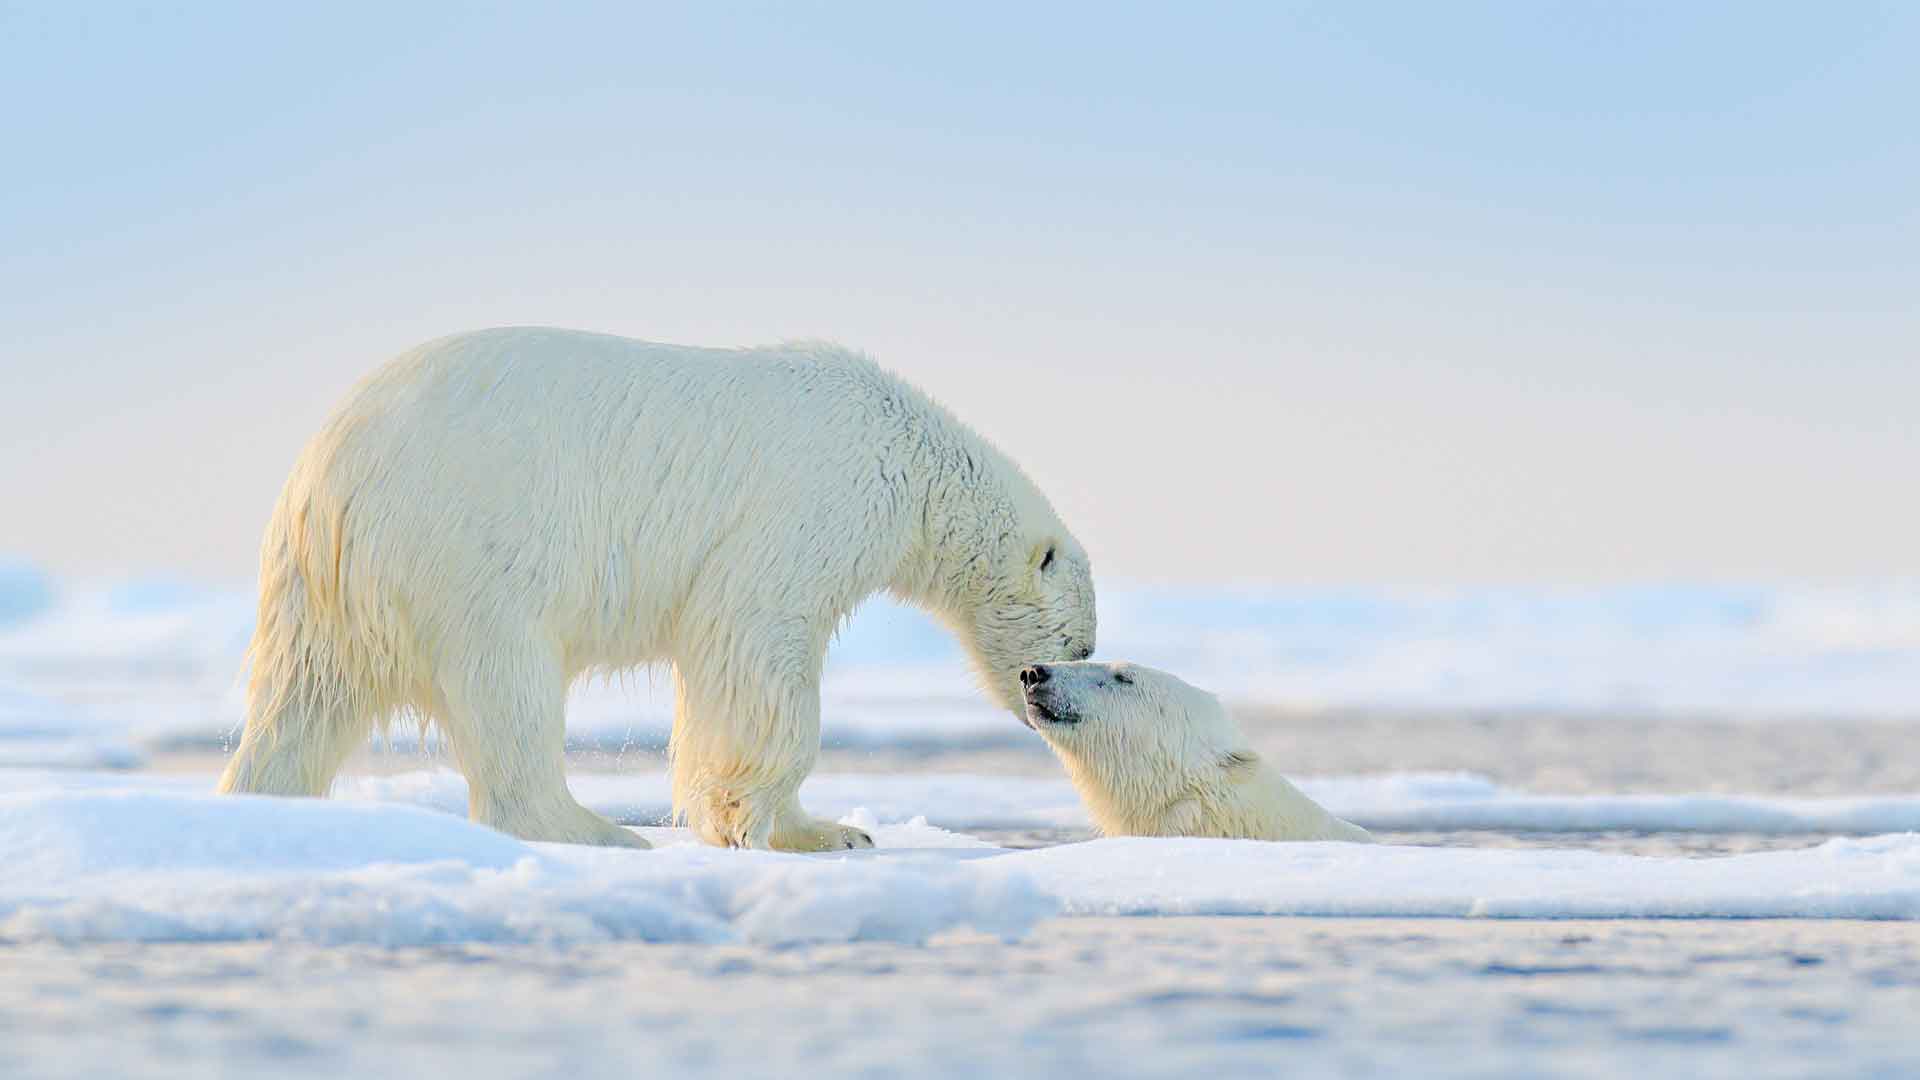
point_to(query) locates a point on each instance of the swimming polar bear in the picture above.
(492, 515)
(1154, 756)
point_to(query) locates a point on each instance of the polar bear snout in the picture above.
(1042, 703)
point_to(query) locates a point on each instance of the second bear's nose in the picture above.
(1033, 676)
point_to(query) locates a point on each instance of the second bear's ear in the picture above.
(1239, 762)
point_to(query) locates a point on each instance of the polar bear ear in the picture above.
(1240, 762)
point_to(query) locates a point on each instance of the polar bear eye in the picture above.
(1046, 560)
(1123, 678)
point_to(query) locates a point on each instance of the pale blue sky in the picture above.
(1287, 292)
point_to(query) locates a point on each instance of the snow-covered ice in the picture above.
(1406, 802)
(1875, 878)
(131, 865)
(161, 861)
(1402, 802)
(1446, 802)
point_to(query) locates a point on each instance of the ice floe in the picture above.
(161, 861)
(1393, 802)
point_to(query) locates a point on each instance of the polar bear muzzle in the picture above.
(1037, 685)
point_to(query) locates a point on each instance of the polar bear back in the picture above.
(649, 464)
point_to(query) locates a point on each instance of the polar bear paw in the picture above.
(814, 834)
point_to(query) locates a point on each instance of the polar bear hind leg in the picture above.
(504, 714)
(306, 713)
(295, 742)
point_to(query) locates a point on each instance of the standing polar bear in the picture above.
(494, 514)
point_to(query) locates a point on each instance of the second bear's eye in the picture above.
(1123, 678)
(1047, 559)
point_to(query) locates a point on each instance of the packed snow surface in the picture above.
(1404, 802)
(162, 861)
(1877, 878)
(1410, 802)
(161, 866)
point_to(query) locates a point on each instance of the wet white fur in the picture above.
(1153, 756)
(495, 514)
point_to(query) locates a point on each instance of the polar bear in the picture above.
(492, 515)
(1153, 756)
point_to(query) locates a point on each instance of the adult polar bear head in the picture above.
(1025, 589)
(1152, 755)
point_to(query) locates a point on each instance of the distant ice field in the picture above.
(108, 671)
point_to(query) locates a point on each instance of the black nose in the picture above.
(1033, 676)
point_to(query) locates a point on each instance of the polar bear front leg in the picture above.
(795, 830)
(744, 738)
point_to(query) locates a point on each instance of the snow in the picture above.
(1447, 802)
(952, 800)
(153, 858)
(1875, 878)
(162, 866)
(1407, 802)
(53, 840)
(1395, 802)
